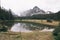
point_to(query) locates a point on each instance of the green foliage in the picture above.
(6, 14)
(56, 33)
(3, 28)
(57, 37)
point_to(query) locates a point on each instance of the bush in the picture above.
(56, 33)
(3, 29)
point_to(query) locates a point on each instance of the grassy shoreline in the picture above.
(35, 35)
(34, 21)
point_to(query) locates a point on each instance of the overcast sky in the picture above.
(22, 5)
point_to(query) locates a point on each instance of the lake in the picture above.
(26, 27)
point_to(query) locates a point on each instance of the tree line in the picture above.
(53, 16)
(6, 14)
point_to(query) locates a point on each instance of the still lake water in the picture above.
(29, 27)
(26, 27)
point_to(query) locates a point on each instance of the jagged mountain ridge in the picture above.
(36, 10)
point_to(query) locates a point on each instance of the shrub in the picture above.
(56, 33)
(3, 29)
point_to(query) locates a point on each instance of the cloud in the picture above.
(22, 5)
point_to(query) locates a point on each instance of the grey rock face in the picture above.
(36, 10)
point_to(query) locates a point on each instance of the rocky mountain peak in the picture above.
(36, 9)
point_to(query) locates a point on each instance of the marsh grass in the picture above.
(35, 35)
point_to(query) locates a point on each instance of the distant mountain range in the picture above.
(52, 16)
(37, 13)
(36, 10)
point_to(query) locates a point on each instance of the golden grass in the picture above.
(26, 36)
(53, 23)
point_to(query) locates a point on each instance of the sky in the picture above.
(19, 6)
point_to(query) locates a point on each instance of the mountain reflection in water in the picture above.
(19, 27)
(26, 27)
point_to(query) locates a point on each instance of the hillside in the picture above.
(52, 16)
